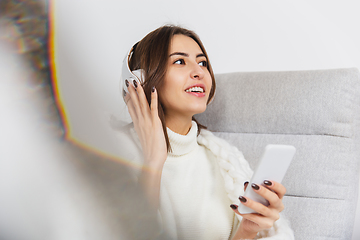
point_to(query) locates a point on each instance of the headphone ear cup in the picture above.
(140, 74)
(128, 76)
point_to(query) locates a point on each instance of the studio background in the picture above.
(92, 37)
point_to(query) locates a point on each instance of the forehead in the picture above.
(185, 44)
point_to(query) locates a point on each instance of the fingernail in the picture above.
(267, 183)
(135, 83)
(242, 199)
(245, 183)
(255, 186)
(153, 89)
(233, 206)
(127, 83)
(124, 93)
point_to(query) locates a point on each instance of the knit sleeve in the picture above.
(235, 170)
(233, 166)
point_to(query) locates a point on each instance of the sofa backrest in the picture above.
(318, 112)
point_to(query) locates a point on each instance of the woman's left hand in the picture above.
(266, 216)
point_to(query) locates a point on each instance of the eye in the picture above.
(203, 63)
(179, 61)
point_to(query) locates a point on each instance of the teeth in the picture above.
(195, 89)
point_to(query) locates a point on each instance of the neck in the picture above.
(180, 125)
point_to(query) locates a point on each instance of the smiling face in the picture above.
(187, 82)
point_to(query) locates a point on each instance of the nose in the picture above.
(197, 72)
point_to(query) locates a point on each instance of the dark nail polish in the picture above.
(246, 183)
(135, 84)
(233, 206)
(153, 89)
(267, 183)
(124, 93)
(255, 186)
(127, 83)
(242, 199)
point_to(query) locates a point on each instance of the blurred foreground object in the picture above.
(50, 188)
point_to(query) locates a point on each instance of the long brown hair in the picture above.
(151, 54)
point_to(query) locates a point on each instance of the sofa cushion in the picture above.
(298, 102)
(318, 112)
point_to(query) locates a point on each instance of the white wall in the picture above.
(93, 36)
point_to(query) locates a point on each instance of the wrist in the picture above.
(246, 236)
(243, 233)
(154, 163)
(155, 167)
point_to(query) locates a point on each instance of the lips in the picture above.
(197, 90)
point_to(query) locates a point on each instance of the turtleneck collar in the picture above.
(183, 144)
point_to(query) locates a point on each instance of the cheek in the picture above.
(209, 81)
(209, 84)
(172, 84)
(166, 94)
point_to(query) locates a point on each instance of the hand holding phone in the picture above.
(272, 166)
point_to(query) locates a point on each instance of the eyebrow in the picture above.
(186, 55)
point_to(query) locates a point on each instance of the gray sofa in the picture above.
(71, 192)
(316, 111)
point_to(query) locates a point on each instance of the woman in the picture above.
(194, 178)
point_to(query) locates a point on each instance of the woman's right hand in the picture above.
(147, 125)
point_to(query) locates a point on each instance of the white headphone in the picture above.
(127, 74)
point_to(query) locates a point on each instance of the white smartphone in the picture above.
(272, 166)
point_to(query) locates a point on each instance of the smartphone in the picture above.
(272, 166)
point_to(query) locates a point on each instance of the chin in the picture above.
(199, 110)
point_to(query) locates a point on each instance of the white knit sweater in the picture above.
(201, 177)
